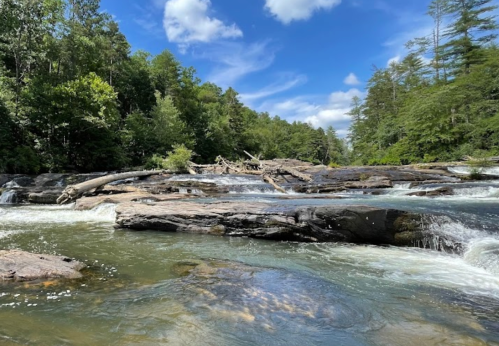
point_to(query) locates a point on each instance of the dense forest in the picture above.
(441, 101)
(74, 98)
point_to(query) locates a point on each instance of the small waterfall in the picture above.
(186, 190)
(218, 179)
(448, 235)
(8, 197)
(466, 170)
(10, 185)
(484, 253)
(64, 214)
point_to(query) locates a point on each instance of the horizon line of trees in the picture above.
(74, 97)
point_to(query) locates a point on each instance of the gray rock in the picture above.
(44, 197)
(352, 224)
(21, 266)
(52, 180)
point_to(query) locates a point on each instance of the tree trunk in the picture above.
(73, 192)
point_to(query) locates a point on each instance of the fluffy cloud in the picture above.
(335, 111)
(288, 10)
(332, 112)
(351, 79)
(187, 22)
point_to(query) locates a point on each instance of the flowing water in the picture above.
(154, 288)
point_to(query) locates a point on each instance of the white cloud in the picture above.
(234, 60)
(335, 111)
(288, 10)
(351, 79)
(285, 82)
(332, 111)
(187, 22)
(394, 60)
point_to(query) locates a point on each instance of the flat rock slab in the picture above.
(87, 203)
(352, 224)
(22, 266)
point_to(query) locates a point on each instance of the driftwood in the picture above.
(73, 192)
(271, 181)
(296, 174)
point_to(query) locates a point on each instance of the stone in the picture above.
(443, 191)
(48, 196)
(351, 224)
(22, 266)
(87, 203)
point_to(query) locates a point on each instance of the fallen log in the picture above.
(271, 181)
(73, 192)
(296, 174)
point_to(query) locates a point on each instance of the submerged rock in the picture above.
(21, 266)
(443, 191)
(352, 224)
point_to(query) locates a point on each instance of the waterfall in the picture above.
(8, 197)
(10, 185)
(467, 170)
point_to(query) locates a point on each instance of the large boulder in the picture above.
(352, 224)
(19, 266)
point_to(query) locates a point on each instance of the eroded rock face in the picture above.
(21, 266)
(352, 224)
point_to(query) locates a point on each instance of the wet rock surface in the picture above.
(352, 224)
(22, 266)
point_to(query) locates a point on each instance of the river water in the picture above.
(154, 288)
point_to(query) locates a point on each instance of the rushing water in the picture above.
(153, 288)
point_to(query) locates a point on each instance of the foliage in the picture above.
(178, 159)
(74, 98)
(437, 111)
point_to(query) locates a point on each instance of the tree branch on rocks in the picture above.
(73, 192)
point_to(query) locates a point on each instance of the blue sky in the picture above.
(300, 59)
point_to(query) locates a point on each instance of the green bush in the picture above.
(178, 159)
(476, 173)
(156, 162)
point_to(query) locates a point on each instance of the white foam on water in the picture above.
(57, 214)
(10, 185)
(8, 197)
(263, 191)
(218, 179)
(477, 192)
(186, 190)
(484, 253)
(466, 170)
(402, 186)
(416, 267)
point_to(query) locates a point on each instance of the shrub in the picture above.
(156, 162)
(178, 159)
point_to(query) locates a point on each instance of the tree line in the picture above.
(441, 101)
(74, 98)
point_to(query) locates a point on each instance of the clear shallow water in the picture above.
(153, 288)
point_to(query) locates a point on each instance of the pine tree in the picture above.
(473, 27)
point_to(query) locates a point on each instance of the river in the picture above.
(154, 288)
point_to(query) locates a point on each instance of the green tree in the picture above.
(472, 28)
